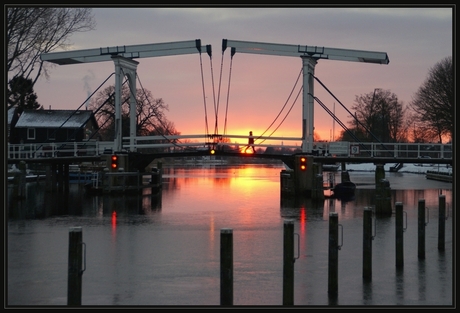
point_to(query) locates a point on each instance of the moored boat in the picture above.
(344, 189)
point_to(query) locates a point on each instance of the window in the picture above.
(31, 133)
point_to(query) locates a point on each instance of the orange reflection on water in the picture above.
(239, 188)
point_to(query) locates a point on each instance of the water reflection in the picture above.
(162, 248)
(41, 204)
(243, 185)
(421, 280)
(293, 207)
(399, 288)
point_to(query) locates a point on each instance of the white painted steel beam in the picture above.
(308, 51)
(129, 52)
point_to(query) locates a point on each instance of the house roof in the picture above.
(53, 118)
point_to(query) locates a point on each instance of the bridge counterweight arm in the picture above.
(304, 50)
(130, 52)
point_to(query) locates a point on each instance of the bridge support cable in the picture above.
(87, 99)
(175, 141)
(232, 53)
(156, 115)
(74, 112)
(357, 121)
(216, 130)
(101, 106)
(204, 97)
(165, 128)
(208, 50)
(340, 122)
(282, 109)
(288, 112)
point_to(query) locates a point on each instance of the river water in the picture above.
(163, 249)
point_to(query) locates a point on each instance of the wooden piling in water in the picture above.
(226, 267)
(367, 244)
(383, 198)
(74, 281)
(421, 229)
(19, 181)
(333, 264)
(382, 192)
(399, 235)
(379, 173)
(288, 263)
(442, 222)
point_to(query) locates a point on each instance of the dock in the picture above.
(442, 176)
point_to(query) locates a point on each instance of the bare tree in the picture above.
(151, 119)
(434, 101)
(31, 31)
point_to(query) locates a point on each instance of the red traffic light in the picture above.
(114, 164)
(303, 163)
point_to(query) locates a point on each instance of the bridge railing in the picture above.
(57, 149)
(373, 149)
(403, 150)
(177, 143)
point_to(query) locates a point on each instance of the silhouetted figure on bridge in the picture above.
(250, 143)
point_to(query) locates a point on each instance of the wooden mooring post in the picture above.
(367, 244)
(421, 228)
(288, 263)
(399, 235)
(382, 192)
(226, 267)
(442, 222)
(333, 265)
(75, 269)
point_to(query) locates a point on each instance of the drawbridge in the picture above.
(124, 59)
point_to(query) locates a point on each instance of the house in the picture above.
(48, 126)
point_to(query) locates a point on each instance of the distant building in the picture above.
(48, 126)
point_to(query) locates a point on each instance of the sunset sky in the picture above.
(414, 38)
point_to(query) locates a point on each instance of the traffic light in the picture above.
(114, 162)
(303, 163)
(212, 151)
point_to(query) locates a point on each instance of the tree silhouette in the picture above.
(21, 94)
(434, 101)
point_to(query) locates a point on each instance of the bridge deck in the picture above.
(283, 157)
